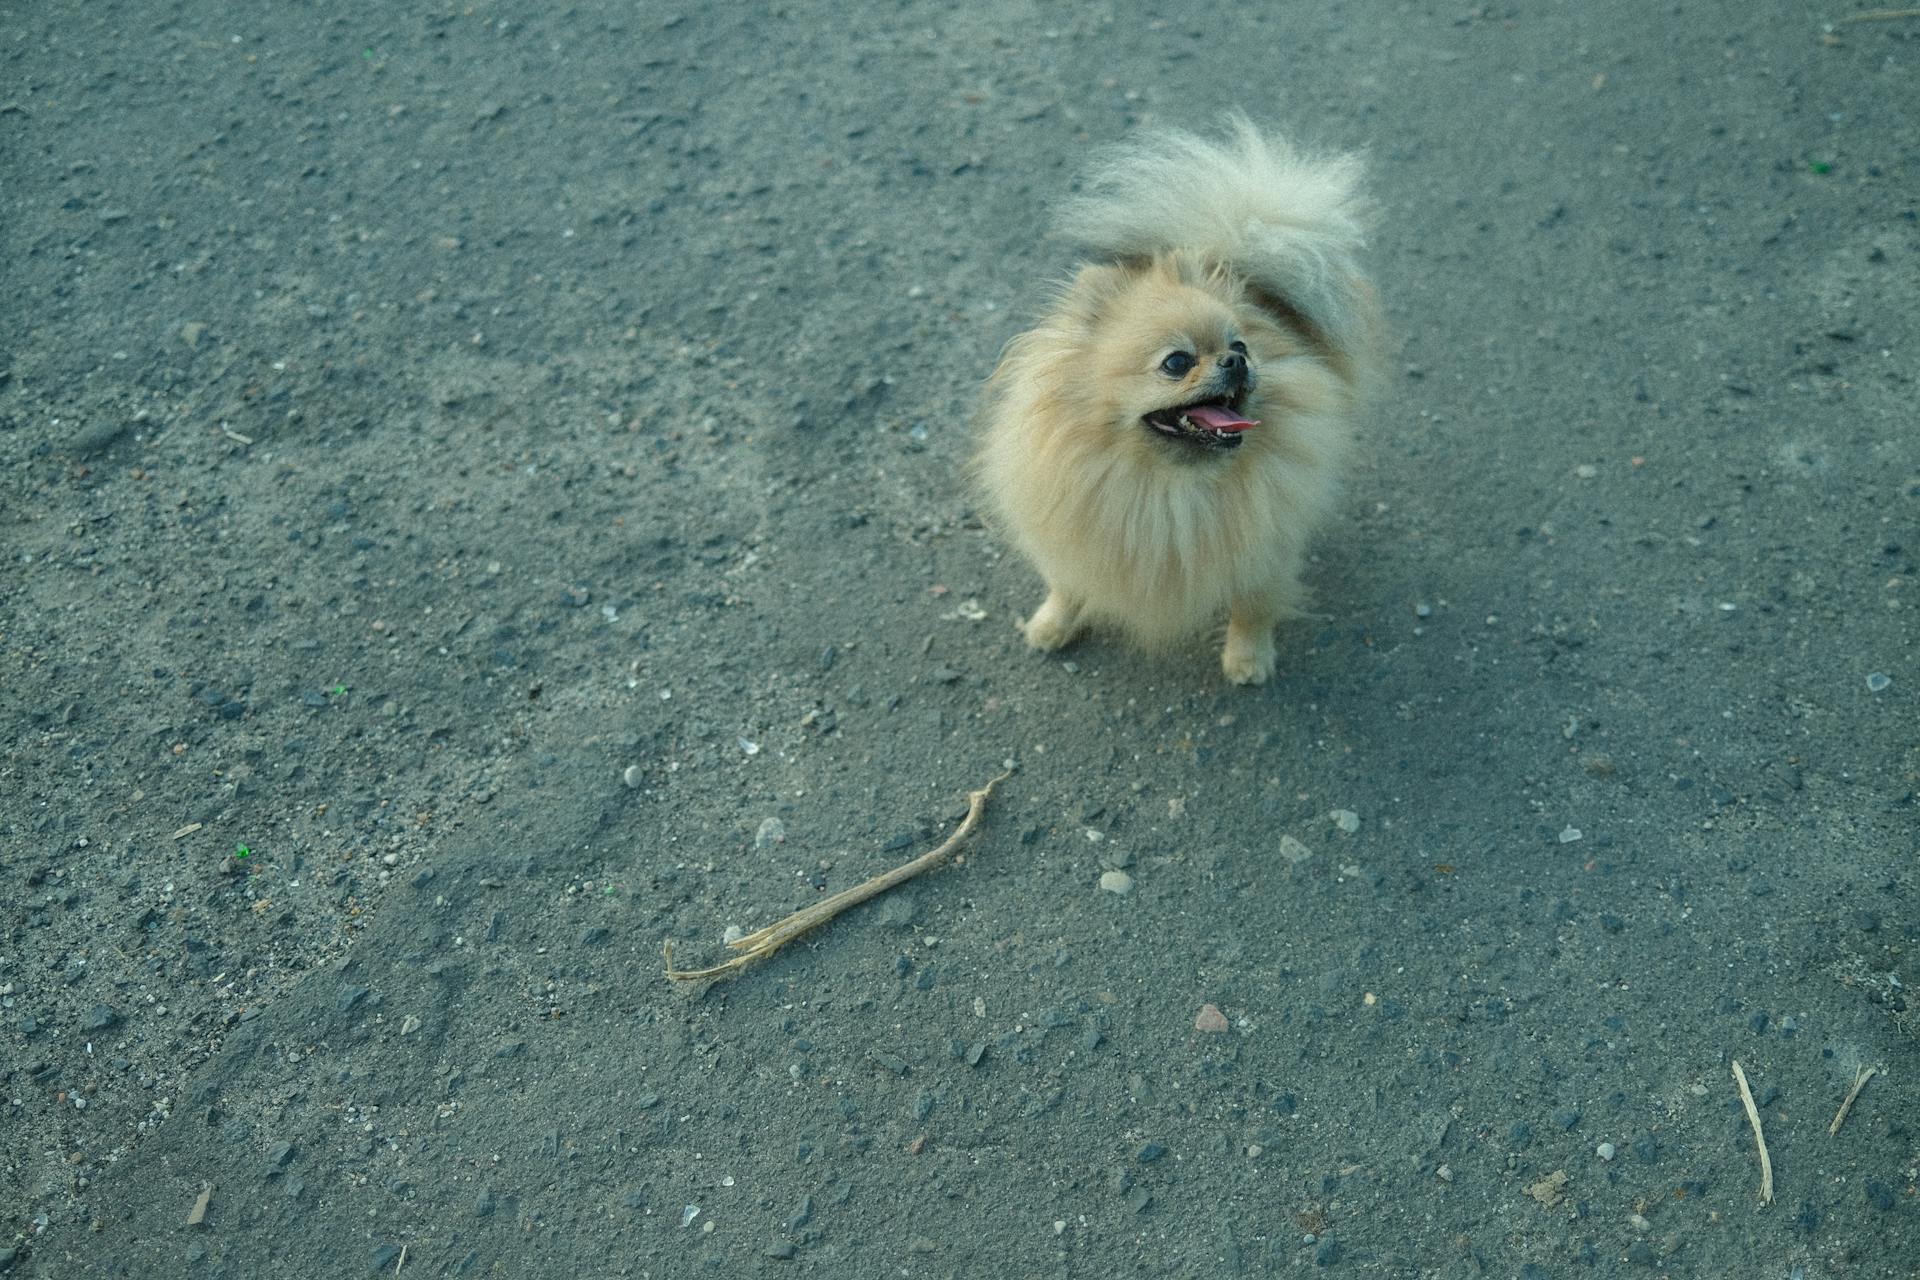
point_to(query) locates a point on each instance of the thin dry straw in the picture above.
(1759, 1138)
(1859, 1082)
(762, 943)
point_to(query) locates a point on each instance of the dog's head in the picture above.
(1166, 353)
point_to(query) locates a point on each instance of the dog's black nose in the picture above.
(1234, 366)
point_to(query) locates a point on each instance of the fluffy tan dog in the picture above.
(1163, 442)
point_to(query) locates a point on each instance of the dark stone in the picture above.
(1327, 1254)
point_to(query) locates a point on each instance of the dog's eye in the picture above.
(1241, 347)
(1177, 365)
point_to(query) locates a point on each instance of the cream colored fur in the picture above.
(1198, 244)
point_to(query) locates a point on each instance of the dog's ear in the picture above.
(1094, 289)
(1338, 313)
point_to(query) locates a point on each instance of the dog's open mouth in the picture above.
(1212, 424)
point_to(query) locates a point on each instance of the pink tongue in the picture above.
(1213, 416)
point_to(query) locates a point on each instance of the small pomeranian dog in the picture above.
(1164, 441)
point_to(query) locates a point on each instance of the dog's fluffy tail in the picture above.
(1288, 223)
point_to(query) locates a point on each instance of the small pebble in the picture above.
(733, 934)
(1604, 1151)
(1878, 681)
(1293, 851)
(1569, 834)
(632, 776)
(771, 832)
(1210, 1020)
(1347, 820)
(1444, 1173)
(1116, 882)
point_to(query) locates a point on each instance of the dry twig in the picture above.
(1759, 1138)
(762, 943)
(1860, 1079)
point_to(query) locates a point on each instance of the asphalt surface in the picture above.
(482, 495)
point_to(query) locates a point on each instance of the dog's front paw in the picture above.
(1248, 659)
(1053, 625)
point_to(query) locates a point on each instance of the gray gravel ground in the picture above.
(481, 496)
